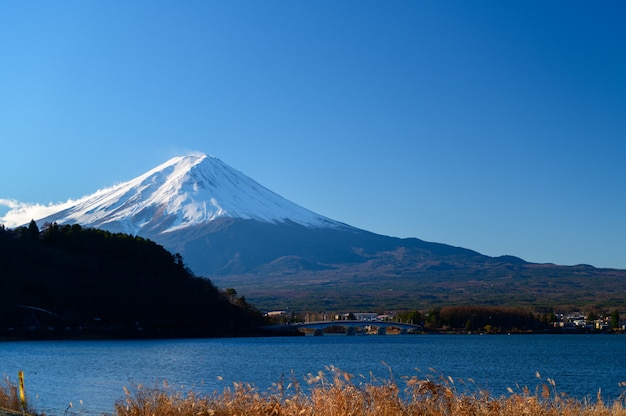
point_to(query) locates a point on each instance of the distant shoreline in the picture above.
(46, 335)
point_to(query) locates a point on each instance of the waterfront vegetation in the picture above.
(334, 393)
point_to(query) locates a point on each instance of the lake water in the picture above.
(92, 374)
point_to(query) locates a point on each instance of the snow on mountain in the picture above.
(183, 192)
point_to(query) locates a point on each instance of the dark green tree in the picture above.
(411, 317)
(591, 316)
(231, 294)
(33, 230)
(615, 319)
(433, 318)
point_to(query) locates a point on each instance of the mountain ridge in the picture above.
(240, 234)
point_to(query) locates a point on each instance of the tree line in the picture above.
(89, 281)
(477, 318)
(495, 319)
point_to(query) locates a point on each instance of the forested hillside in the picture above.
(66, 281)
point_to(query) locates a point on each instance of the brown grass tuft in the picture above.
(10, 398)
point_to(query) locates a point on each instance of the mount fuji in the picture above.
(220, 220)
(240, 234)
(183, 193)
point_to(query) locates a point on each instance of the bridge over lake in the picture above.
(351, 326)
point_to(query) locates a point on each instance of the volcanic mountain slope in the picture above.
(223, 222)
(240, 234)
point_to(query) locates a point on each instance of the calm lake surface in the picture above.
(92, 374)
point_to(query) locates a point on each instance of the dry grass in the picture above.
(341, 394)
(10, 398)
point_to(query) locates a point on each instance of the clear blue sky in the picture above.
(498, 126)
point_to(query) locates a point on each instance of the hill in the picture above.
(66, 281)
(385, 273)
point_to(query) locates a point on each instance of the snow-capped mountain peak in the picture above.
(183, 192)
